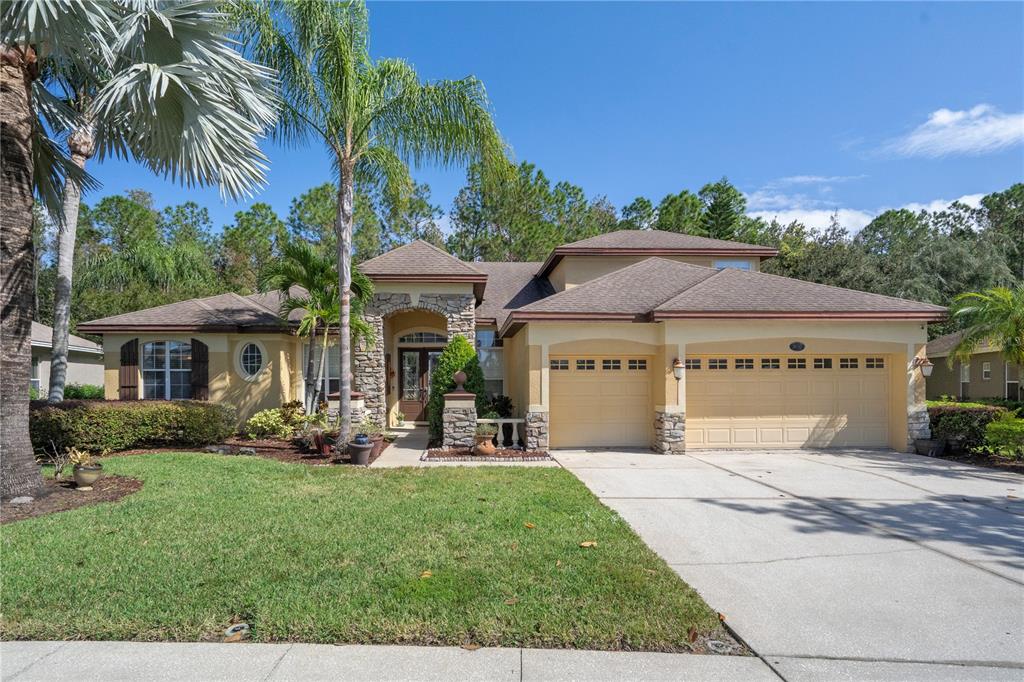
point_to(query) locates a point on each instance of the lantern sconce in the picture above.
(923, 364)
(677, 369)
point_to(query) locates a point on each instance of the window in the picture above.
(166, 370)
(332, 368)
(965, 373)
(485, 338)
(637, 364)
(730, 263)
(35, 376)
(430, 337)
(770, 363)
(848, 363)
(692, 363)
(986, 371)
(718, 363)
(251, 359)
(822, 363)
(559, 364)
(796, 363)
(611, 364)
(492, 359)
(874, 363)
(585, 365)
(743, 363)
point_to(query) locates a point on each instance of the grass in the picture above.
(338, 555)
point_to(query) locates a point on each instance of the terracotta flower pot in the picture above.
(484, 446)
(85, 476)
(360, 453)
(378, 444)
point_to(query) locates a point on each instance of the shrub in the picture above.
(459, 354)
(964, 423)
(101, 425)
(83, 392)
(502, 404)
(370, 427)
(266, 423)
(1004, 436)
(293, 413)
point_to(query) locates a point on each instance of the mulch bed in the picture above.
(269, 448)
(58, 496)
(500, 455)
(1001, 463)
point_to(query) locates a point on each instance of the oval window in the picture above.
(252, 359)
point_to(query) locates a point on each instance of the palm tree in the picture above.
(375, 117)
(216, 82)
(197, 125)
(308, 283)
(994, 316)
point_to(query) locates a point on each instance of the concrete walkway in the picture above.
(162, 662)
(410, 443)
(838, 564)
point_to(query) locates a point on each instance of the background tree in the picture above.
(248, 247)
(724, 208)
(374, 117)
(680, 213)
(638, 215)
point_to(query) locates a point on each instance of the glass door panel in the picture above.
(411, 375)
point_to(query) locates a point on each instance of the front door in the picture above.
(416, 366)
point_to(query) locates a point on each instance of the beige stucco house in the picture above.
(628, 339)
(986, 375)
(85, 359)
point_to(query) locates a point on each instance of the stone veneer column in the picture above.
(670, 432)
(536, 431)
(368, 369)
(918, 422)
(459, 418)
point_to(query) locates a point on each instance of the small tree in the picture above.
(459, 354)
(994, 316)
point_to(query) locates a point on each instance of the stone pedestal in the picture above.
(669, 432)
(536, 430)
(918, 423)
(459, 419)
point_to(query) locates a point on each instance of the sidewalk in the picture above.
(163, 661)
(411, 443)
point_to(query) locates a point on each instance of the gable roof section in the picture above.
(652, 243)
(942, 346)
(421, 261)
(733, 293)
(224, 312)
(658, 289)
(509, 286)
(42, 337)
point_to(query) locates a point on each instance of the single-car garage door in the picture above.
(600, 401)
(772, 401)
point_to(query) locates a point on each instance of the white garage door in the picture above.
(787, 402)
(600, 401)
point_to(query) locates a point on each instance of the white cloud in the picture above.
(814, 180)
(982, 129)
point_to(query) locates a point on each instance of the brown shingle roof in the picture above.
(652, 243)
(734, 292)
(42, 337)
(509, 286)
(418, 259)
(224, 312)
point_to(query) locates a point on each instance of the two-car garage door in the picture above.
(774, 401)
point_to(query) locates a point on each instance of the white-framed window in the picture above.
(771, 363)
(423, 337)
(637, 364)
(166, 370)
(743, 363)
(692, 363)
(986, 371)
(796, 363)
(491, 355)
(332, 368)
(874, 363)
(611, 365)
(965, 373)
(822, 363)
(35, 377)
(586, 365)
(559, 365)
(732, 263)
(848, 363)
(251, 359)
(718, 363)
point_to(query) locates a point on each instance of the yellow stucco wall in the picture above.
(575, 270)
(945, 380)
(278, 382)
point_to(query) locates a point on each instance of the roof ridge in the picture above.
(831, 286)
(248, 297)
(445, 253)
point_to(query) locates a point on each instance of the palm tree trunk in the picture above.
(82, 145)
(320, 372)
(19, 474)
(343, 227)
(309, 373)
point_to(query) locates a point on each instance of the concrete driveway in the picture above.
(850, 564)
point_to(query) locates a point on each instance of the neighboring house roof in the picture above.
(42, 337)
(941, 346)
(652, 243)
(224, 312)
(659, 289)
(509, 286)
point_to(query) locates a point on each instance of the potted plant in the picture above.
(359, 449)
(87, 470)
(484, 438)
(932, 447)
(375, 432)
(400, 418)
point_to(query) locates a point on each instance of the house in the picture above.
(85, 359)
(627, 339)
(986, 375)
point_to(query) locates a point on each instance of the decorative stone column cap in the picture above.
(356, 395)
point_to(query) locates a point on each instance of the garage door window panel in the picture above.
(611, 365)
(692, 363)
(771, 363)
(718, 363)
(743, 363)
(586, 365)
(796, 363)
(560, 365)
(848, 363)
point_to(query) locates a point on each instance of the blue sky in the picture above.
(807, 108)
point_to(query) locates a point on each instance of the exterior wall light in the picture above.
(677, 369)
(923, 364)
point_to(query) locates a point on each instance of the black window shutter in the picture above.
(128, 373)
(200, 370)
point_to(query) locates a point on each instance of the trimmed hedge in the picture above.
(83, 392)
(100, 425)
(963, 422)
(1004, 437)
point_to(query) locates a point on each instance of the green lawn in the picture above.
(338, 555)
